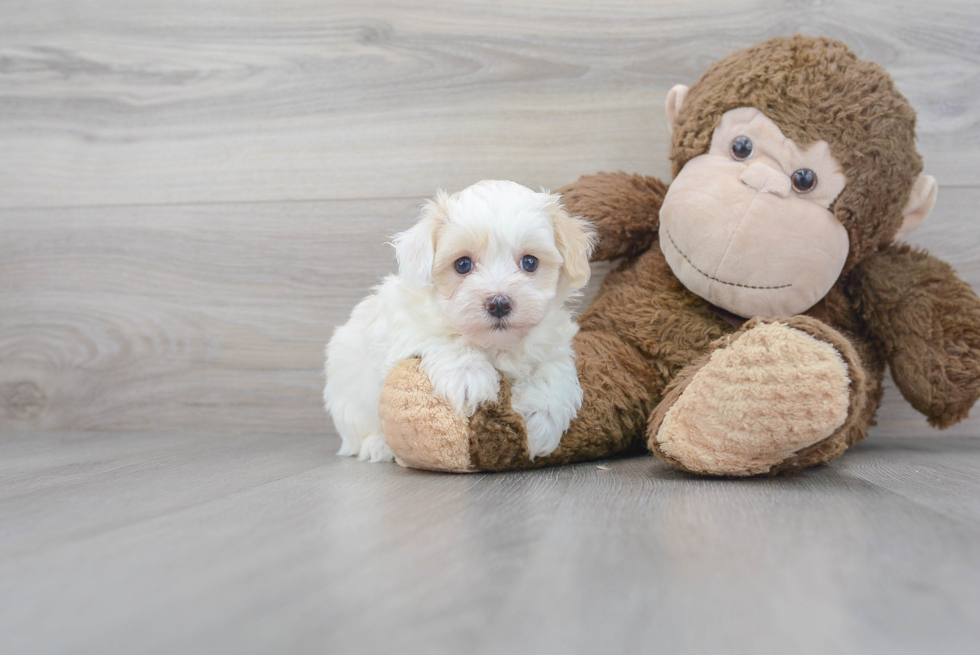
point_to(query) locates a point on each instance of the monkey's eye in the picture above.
(742, 148)
(804, 180)
(464, 265)
(529, 263)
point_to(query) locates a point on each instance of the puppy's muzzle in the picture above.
(498, 306)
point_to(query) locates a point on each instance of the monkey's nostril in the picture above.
(498, 306)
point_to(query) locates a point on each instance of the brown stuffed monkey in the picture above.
(759, 298)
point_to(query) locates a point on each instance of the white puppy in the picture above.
(483, 278)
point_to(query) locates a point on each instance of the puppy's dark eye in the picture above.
(529, 263)
(464, 265)
(742, 148)
(804, 180)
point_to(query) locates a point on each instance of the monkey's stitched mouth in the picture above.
(710, 277)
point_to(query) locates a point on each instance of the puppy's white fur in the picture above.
(430, 310)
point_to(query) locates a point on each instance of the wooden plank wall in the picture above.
(194, 193)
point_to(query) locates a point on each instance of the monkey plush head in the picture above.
(793, 161)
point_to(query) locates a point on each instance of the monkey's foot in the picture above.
(770, 398)
(424, 433)
(421, 430)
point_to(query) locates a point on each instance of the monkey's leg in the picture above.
(776, 396)
(619, 391)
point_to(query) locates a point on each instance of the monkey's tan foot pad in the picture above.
(420, 429)
(760, 398)
(425, 433)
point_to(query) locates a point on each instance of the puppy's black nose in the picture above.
(498, 306)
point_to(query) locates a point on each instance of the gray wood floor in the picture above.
(121, 542)
(194, 193)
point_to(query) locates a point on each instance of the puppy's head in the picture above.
(496, 256)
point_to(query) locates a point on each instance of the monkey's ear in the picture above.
(575, 239)
(675, 100)
(920, 204)
(415, 248)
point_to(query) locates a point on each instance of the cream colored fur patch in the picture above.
(774, 391)
(421, 430)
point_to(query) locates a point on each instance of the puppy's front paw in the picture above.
(467, 386)
(548, 405)
(543, 432)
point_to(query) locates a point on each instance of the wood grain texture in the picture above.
(111, 102)
(155, 317)
(194, 542)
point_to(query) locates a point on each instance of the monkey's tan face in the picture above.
(747, 226)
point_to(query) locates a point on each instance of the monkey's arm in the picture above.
(624, 208)
(928, 321)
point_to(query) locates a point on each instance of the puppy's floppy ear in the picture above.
(575, 239)
(415, 247)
